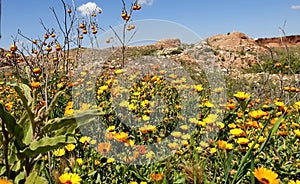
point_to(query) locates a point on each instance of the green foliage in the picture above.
(28, 143)
(278, 61)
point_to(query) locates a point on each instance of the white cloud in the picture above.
(88, 8)
(147, 2)
(295, 7)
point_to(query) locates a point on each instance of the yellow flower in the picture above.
(79, 161)
(9, 106)
(281, 106)
(176, 134)
(236, 132)
(59, 152)
(110, 160)
(297, 103)
(131, 107)
(257, 114)
(220, 124)
(45, 157)
(136, 93)
(70, 178)
(143, 182)
(133, 182)
(218, 90)
(60, 85)
(130, 143)
(69, 111)
(261, 139)
(184, 142)
(150, 155)
(145, 103)
(230, 106)
(184, 127)
(4, 181)
(122, 136)
(84, 139)
(242, 140)
(266, 176)
(297, 132)
(201, 123)
(204, 144)
(145, 118)
(93, 141)
(242, 95)
(102, 89)
(294, 182)
(229, 146)
(119, 71)
(222, 144)
(198, 87)
(255, 146)
(111, 128)
(231, 125)
(186, 136)
(97, 162)
(208, 104)
(35, 84)
(150, 128)
(173, 146)
(212, 150)
(211, 118)
(70, 147)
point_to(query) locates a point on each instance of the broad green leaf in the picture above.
(19, 178)
(11, 125)
(71, 122)
(179, 181)
(26, 106)
(28, 132)
(47, 144)
(26, 89)
(33, 178)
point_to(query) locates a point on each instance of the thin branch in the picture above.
(57, 20)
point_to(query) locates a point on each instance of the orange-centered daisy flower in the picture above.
(70, 178)
(257, 114)
(156, 177)
(242, 95)
(266, 176)
(4, 181)
(104, 147)
(236, 132)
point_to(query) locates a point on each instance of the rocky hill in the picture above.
(289, 41)
(234, 50)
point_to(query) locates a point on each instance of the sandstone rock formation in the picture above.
(289, 41)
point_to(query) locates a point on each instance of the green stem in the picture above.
(5, 150)
(252, 169)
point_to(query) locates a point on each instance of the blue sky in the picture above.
(256, 18)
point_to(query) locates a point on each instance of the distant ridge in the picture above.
(289, 41)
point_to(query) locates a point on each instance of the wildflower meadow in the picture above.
(71, 114)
